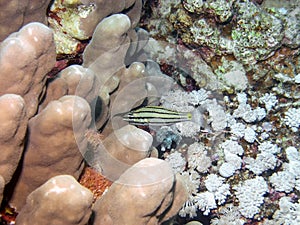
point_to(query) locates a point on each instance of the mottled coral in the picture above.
(257, 33)
(45, 206)
(221, 10)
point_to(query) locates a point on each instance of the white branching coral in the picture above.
(283, 181)
(250, 195)
(198, 97)
(177, 100)
(242, 98)
(197, 157)
(261, 163)
(176, 161)
(233, 147)
(217, 116)
(215, 184)
(292, 154)
(205, 201)
(289, 178)
(217, 192)
(238, 129)
(184, 101)
(288, 212)
(233, 159)
(269, 147)
(227, 169)
(270, 100)
(265, 159)
(250, 135)
(246, 125)
(188, 128)
(229, 215)
(297, 79)
(187, 102)
(231, 151)
(292, 119)
(246, 112)
(192, 181)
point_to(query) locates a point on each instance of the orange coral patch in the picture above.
(95, 182)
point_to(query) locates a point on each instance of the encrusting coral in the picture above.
(45, 206)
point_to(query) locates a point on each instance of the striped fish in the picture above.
(156, 115)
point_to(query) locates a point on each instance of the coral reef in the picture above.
(233, 66)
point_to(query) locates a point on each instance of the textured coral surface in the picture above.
(73, 96)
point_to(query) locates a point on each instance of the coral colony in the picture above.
(150, 112)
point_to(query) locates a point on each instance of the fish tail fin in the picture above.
(197, 116)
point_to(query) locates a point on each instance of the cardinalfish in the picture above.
(156, 116)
